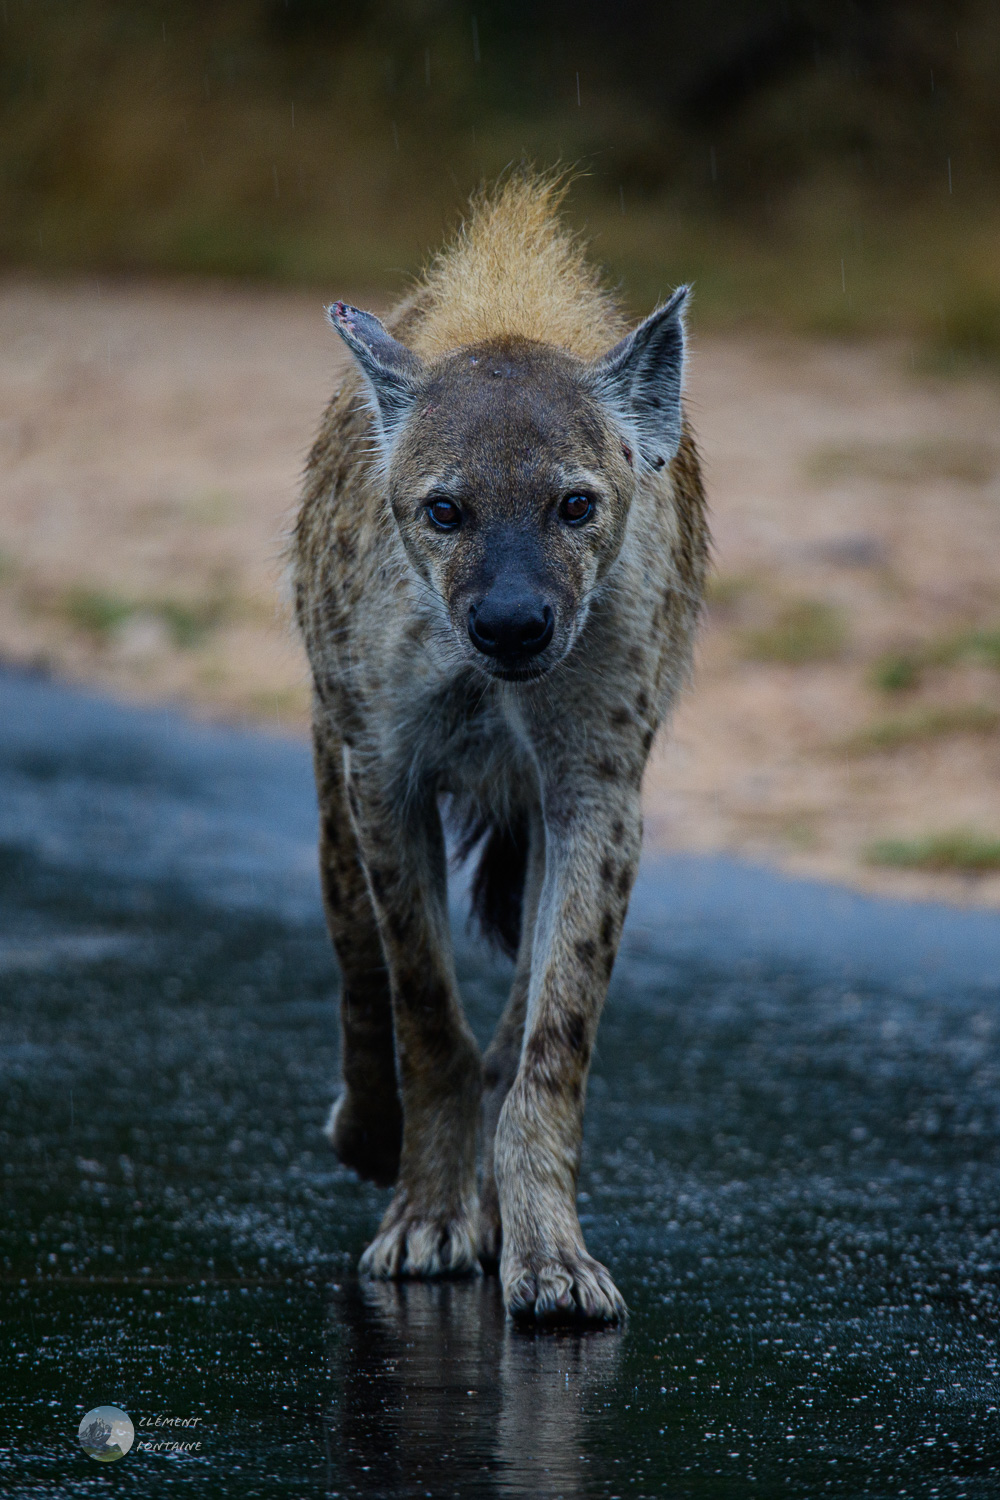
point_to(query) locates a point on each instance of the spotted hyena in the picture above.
(498, 567)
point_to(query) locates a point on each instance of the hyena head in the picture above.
(511, 467)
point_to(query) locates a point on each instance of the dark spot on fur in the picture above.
(576, 1033)
(608, 767)
(642, 702)
(541, 1046)
(618, 831)
(625, 882)
(608, 929)
(621, 718)
(586, 950)
(607, 870)
(647, 739)
(553, 1041)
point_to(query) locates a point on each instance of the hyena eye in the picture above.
(444, 514)
(575, 509)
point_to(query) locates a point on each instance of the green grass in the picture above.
(189, 624)
(976, 647)
(898, 671)
(96, 612)
(100, 614)
(805, 631)
(922, 725)
(958, 850)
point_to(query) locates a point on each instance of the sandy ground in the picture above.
(151, 437)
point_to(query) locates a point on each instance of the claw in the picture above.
(577, 1289)
(421, 1248)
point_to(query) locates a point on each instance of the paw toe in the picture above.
(422, 1248)
(574, 1290)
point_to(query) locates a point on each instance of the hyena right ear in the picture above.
(392, 371)
(641, 379)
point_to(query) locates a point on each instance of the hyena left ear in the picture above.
(642, 377)
(393, 372)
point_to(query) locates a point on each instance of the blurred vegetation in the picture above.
(932, 723)
(900, 671)
(103, 615)
(805, 630)
(960, 850)
(832, 166)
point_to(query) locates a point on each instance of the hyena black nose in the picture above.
(514, 627)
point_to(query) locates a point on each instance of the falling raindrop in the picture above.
(395, 135)
(578, 91)
(949, 174)
(843, 276)
(475, 41)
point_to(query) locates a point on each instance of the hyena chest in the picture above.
(459, 742)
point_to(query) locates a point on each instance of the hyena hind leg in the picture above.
(365, 1126)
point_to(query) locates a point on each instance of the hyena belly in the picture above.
(499, 563)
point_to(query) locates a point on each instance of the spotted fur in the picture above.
(506, 378)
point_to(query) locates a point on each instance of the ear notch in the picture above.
(642, 377)
(393, 372)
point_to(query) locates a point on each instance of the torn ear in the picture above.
(393, 372)
(642, 377)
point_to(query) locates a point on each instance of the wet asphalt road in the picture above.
(791, 1169)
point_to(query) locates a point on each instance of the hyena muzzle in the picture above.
(498, 568)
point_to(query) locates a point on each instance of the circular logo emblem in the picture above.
(106, 1433)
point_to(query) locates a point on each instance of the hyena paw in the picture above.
(367, 1139)
(573, 1288)
(490, 1232)
(422, 1245)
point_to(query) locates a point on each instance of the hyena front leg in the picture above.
(366, 1123)
(592, 854)
(502, 1056)
(430, 1227)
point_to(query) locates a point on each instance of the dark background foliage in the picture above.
(774, 150)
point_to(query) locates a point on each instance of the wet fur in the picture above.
(543, 776)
